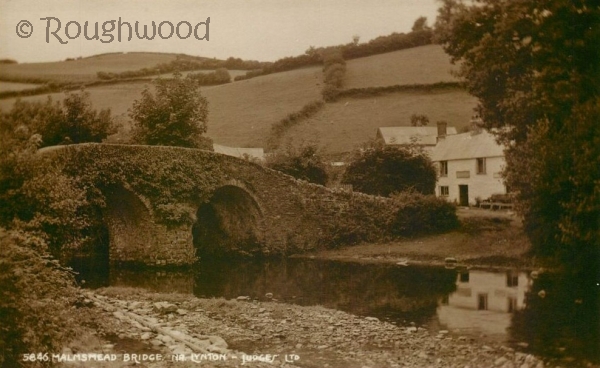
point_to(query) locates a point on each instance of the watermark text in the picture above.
(116, 30)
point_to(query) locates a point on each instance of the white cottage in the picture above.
(470, 166)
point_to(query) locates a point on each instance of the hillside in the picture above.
(419, 65)
(242, 113)
(346, 124)
(85, 69)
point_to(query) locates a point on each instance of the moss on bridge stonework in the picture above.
(166, 205)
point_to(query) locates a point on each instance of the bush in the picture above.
(71, 121)
(36, 196)
(302, 163)
(383, 170)
(420, 214)
(36, 297)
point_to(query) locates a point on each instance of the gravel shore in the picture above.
(246, 332)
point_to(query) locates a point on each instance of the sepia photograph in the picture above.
(310, 183)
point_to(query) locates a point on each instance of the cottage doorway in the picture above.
(463, 195)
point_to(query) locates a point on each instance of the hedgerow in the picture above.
(279, 128)
(334, 71)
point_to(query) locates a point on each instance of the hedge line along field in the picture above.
(346, 124)
(419, 65)
(84, 69)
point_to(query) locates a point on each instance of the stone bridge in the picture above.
(168, 205)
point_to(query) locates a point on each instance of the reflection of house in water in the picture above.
(483, 301)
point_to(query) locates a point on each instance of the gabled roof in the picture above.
(257, 153)
(465, 146)
(406, 134)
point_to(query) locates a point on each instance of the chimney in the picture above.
(441, 130)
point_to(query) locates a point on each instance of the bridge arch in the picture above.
(125, 214)
(230, 222)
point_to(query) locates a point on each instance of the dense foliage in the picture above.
(219, 76)
(72, 120)
(36, 301)
(376, 219)
(534, 67)
(382, 170)
(420, 214)
(177, 115)
(35, 195)
(302, 163)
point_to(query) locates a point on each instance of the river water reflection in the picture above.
(550, 315)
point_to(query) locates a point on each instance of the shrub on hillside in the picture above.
(420, 214)
(36, 300)
(219, 76)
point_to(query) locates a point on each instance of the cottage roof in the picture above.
(465, 146)
(404, 135)
(257, 153)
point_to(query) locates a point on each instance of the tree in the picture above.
(420, 24)
(419, 120)
(177, 115)
(300, 162)
(71, 121)
(534, 67)
(383, 170)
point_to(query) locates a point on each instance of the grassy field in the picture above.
(240, 113)
(10, 86)
(419, 65)
(346, 124)
(84, 70)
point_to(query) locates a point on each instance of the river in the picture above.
(547, 314)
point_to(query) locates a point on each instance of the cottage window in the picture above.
(443, 168)
(444, 191)
(512, 279)
(481, 166)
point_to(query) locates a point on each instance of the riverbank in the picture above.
(181, 330)
(486, 239)
(230, 333)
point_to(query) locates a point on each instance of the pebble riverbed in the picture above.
(244, 332)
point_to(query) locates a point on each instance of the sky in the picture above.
(263, 30)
